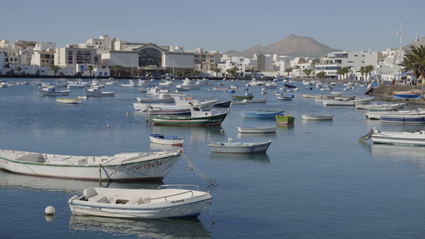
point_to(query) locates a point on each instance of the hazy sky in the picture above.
(215, 25)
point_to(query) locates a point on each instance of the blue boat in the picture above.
(403, 119)
(262, 114)
(407, 95)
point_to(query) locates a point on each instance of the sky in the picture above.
(216, 25)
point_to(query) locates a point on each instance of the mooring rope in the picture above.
(100, 173)
(193, 167)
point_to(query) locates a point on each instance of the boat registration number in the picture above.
(177, 201)
(4, 161)
(147, 165)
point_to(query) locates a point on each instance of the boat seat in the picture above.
(99, 198)
(34, 158)
(135, 200)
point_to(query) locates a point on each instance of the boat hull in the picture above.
(399, 138)
(242, 148)
(172, 140)
(235, 97)
(154, 169)
(214, 120)
(403, 119)
(317, 117)
(280, 119)
(261, 115)
(70, 101)
(256, 130)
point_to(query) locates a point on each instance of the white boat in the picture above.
(338, 103)
(317, 117)
(70, 101)
(166, 139)
(404, 138)
(182, 101)
(363, 101)
(270, 85)
(238, 147)
(238, 102)
(123, 166)
(77, 84)
(255, 101)
(51, 91)
(160, 98)
(157, 90)
(140, 203)
(337, 93)
(255, 82)
(284, 98)
(95, 91)
(168, 110)
(97, 83)
(167, 83)
(376, 115)
(381, 107)
(3, 84)
(345, 98)
(131, 83)
(257, 130)
(111, 82)
(187, 85)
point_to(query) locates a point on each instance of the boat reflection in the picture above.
(163, 147)
(399, 153)
(258, 157)
(149, 228)
(197, 134)
(285, 126)
(266, 137)
(13, 180)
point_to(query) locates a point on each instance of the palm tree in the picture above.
(137, 72)
(19, 69)
(369, 69)
(232, 71)
(345, 71)
(55, 68)
(415, 60)
(216, 70)
(321, 74)
(288, 70)
(196, 73)
(90, 69)
(362, 71)
(307, 71)
(298, 68)
(339, 72)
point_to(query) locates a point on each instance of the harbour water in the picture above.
(315, 181)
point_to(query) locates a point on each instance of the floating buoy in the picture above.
(107, 126)
(49, 211)
(125, 141)
(128, 114)
(222, 131)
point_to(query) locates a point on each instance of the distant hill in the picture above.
(291, 46)
(231, 52)
(420, 42)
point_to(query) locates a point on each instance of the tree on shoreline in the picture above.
(90, 69)
(18, 69)
(321, 74)
(288, 70)
(216, 70)
(415, 60)
(55, 68)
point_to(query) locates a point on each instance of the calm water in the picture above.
(316, 180)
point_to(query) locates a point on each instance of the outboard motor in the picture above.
(373, 131)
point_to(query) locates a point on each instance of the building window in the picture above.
(150, 57)
(355, 55)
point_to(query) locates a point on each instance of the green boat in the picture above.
(242, 97)
(197, 118)
(287, 119)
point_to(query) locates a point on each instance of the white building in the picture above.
(353, 60)
(71, 55)
(83, 69)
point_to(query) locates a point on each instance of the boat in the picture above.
(404, 138)
(223, 104)
(238, 102)
(187, 85)
(161, 98)
(166, 139)
(255, 101)
(231, 147)
(169, 110)
(338, 93)
(198, 117)
(318, 96)
(247, 96)
(403, 119)
(255, 82)
(407, 95)
(380, 107)
(205, 104)
(285, 98)
(70, 101)
(51, 91)
(345, 98)
(317, 117)
(111, 82)
(262, 114)
(363, 100)
(95, 91)
(285, 119)
(122, 166)
(140, 203)
(376, 115)
(338, 103)
(270, 85)
(221, 88)
(157, 90)
(77, 84)
(167, 83)
(257, 130)
(290, 86)
(131, 83)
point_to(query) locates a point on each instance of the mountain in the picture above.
(421, 41)
(291, 46)
(231, 52)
